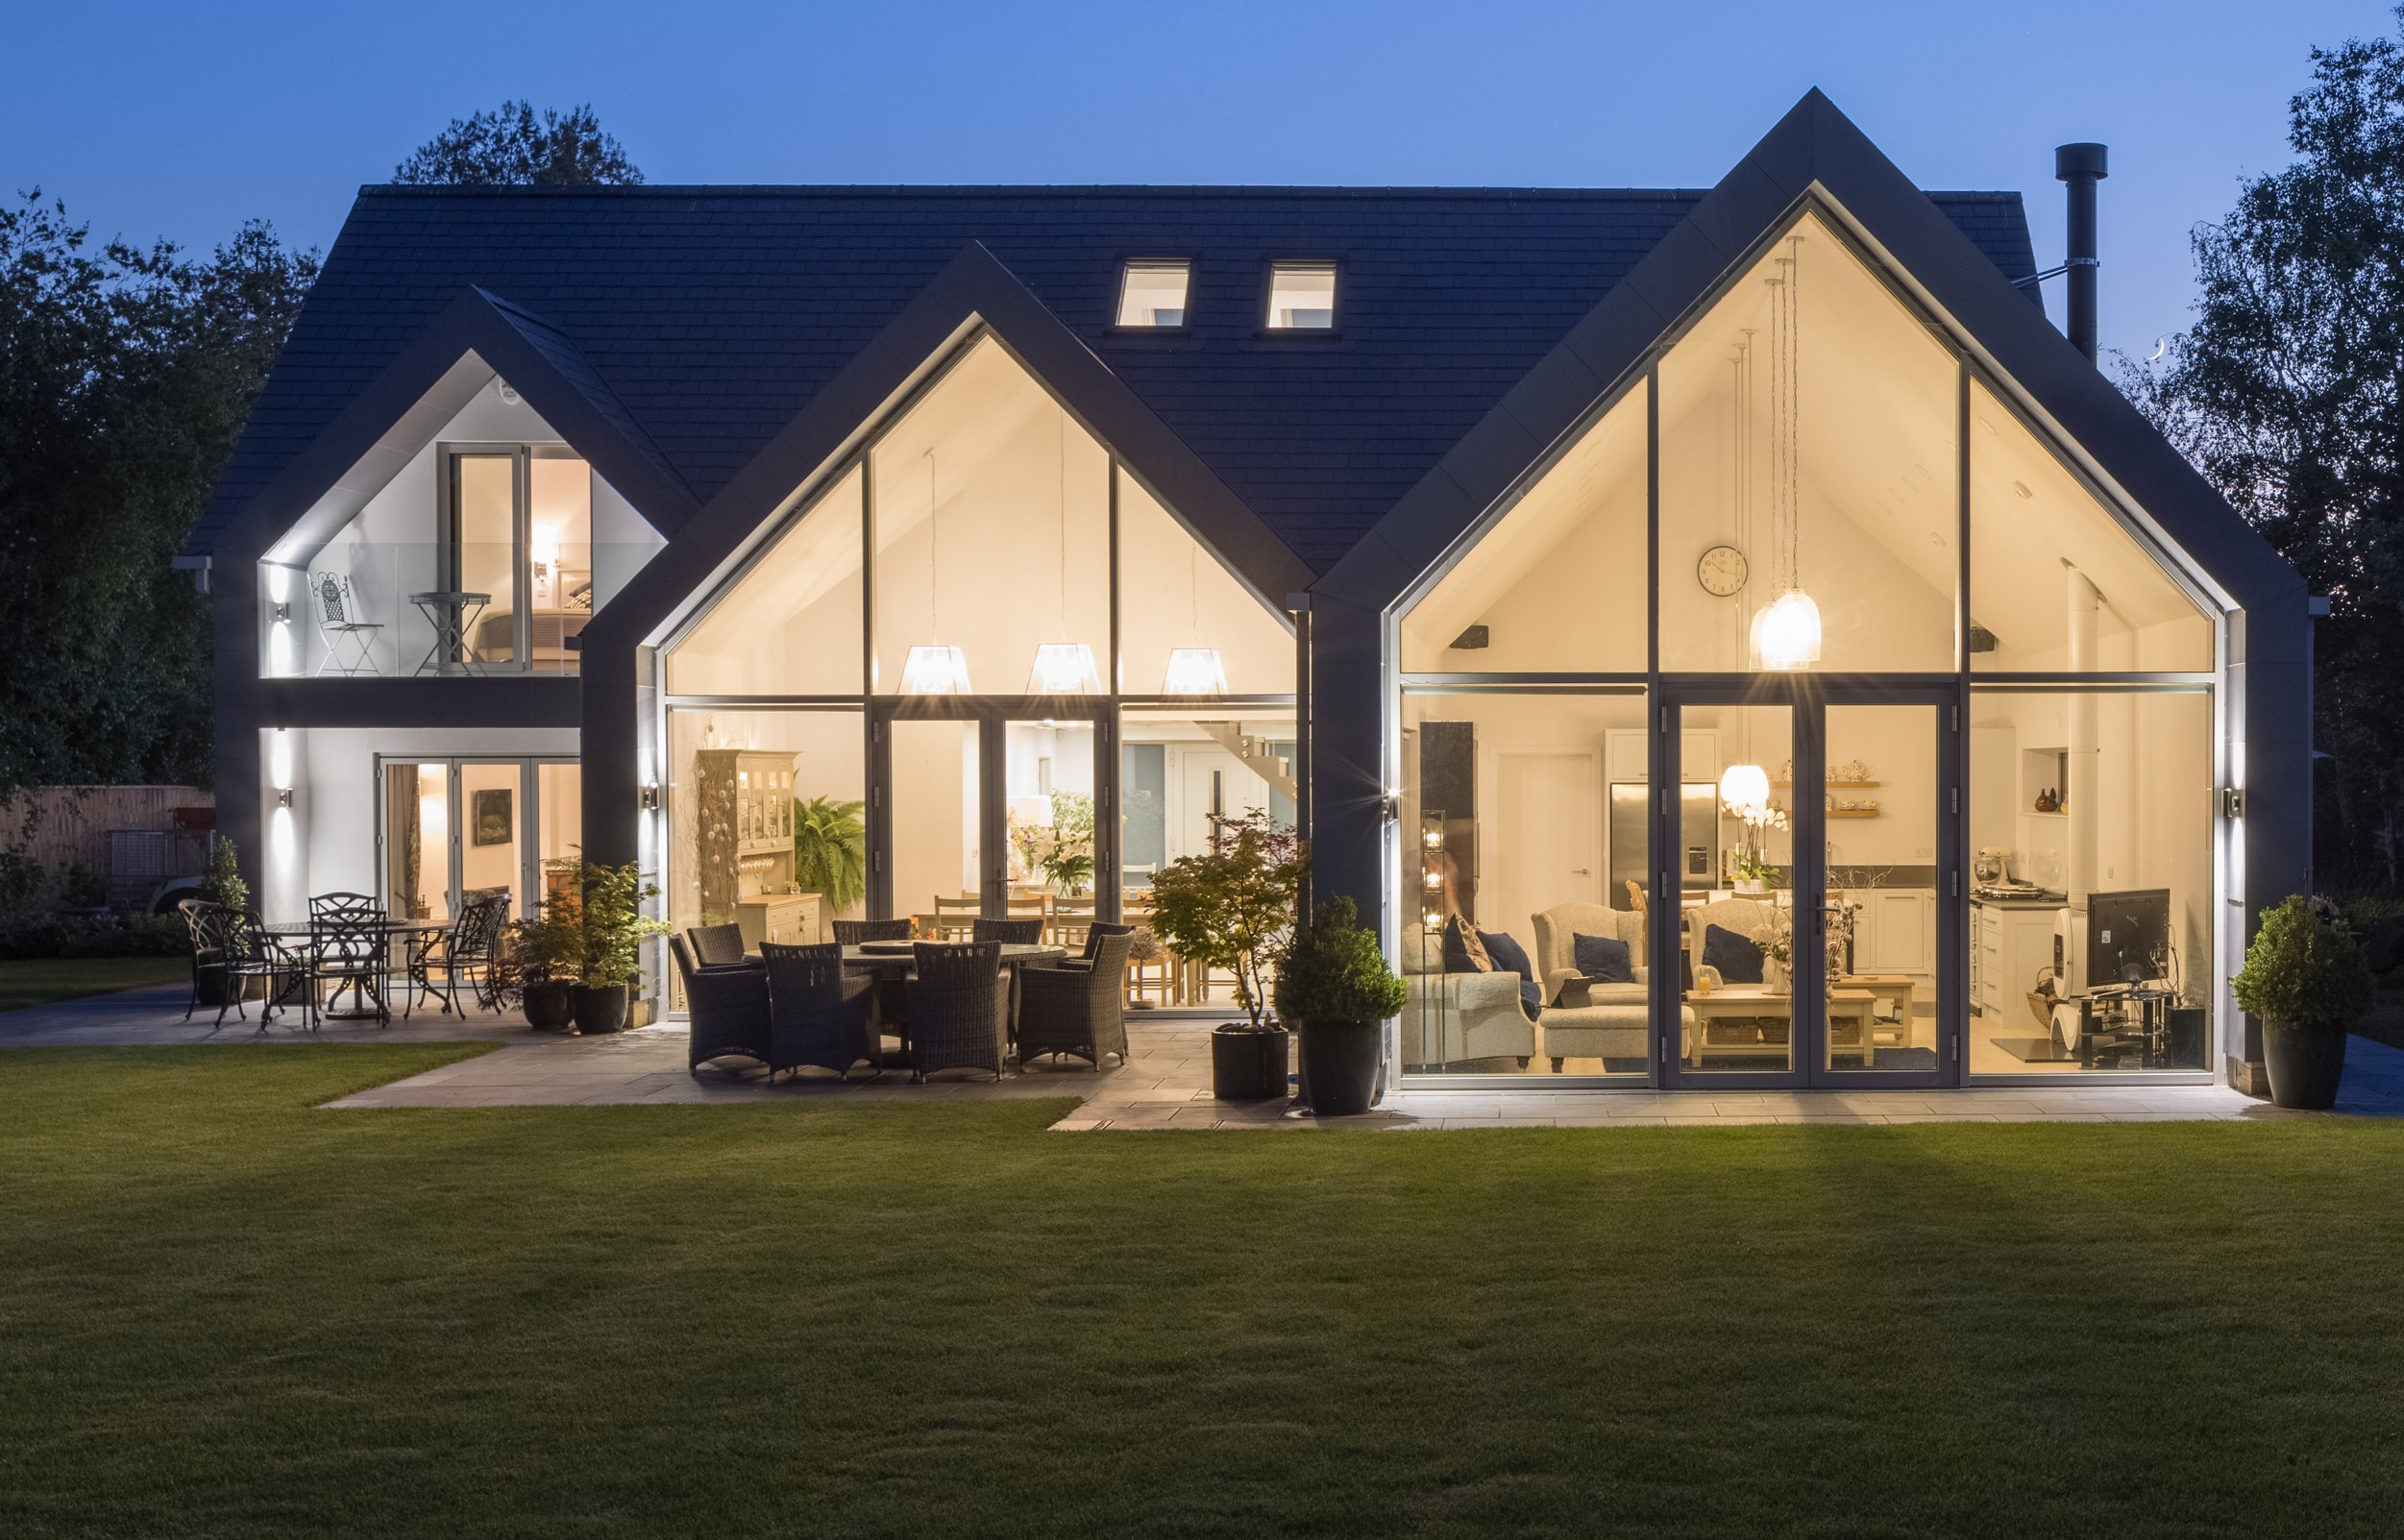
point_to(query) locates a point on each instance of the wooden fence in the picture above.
(63, 827)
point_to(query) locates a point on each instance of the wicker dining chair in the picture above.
(958, 1008)
(853, 931)
(725, 1009)
(818, 1012)
(1080, 1011)
(717, 946)
(1010, 932)
(1096, 933)
(892, 994)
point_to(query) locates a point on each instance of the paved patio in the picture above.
(1165, 1084)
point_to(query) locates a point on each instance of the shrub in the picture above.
(224, 884)
(2303, 967)
(1335, 972)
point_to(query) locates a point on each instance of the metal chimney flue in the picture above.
(2082, 166)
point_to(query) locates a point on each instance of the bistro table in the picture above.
(450, 614)
(393, 930)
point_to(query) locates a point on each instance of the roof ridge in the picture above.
(1000, 189)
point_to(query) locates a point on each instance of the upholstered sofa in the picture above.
(1453, 1017)
(1615, 1021)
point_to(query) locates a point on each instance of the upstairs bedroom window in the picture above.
(1152, 293)
(1302, 297)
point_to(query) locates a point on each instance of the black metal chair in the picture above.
(958, 1008)
(1010, 932)
(818, 1013)
(232, 948)
(350, 949)
(356, 906)
(725, 1009)
(719, 946)
(853, 932)
(465, 951)
(1080, 1011)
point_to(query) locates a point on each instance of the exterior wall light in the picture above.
(935, 670)
(1194, 671)
(283, 614)
(283, 797)
(1064, 669)
(650, 799)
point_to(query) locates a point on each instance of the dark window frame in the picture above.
(1127, 264)
(1269, 265)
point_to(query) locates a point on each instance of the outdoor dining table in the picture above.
(392, 928)
(894, 959)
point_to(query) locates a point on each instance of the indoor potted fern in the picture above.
(830, 851)
(1334, 979)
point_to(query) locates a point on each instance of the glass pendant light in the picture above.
(933, 670)
(1064, 668)
(1744, 788)
(1194, 671)
(1786, 633)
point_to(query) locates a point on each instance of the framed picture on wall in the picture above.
(488, 823)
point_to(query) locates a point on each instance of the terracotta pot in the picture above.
(599, 1010)
(2306, 1064)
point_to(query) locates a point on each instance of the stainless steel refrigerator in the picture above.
(1699, 837)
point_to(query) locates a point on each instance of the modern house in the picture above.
(1744, 599)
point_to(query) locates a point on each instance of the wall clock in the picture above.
(1722, 570)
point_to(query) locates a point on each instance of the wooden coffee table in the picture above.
(1850, 1014)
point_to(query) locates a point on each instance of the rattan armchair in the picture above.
(1080, 1011)
(958, 1008)
(725, 1009)
(853, 931)
(818, 1013)
(1010, 932)
(719, 946)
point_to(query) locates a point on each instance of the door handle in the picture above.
(1581, 871)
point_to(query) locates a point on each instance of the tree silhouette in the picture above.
(509, 147)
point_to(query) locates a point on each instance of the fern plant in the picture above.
(830, 851)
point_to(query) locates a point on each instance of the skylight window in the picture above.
(1153, 293)
(1302, 297)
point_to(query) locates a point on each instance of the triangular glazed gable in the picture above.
(474, 337)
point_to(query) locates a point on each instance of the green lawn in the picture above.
(223, 1312)
(41, 980)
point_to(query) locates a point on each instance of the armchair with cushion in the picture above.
(1452, 1017)
(1592, 1020)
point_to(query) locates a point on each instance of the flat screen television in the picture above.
(2126, 933)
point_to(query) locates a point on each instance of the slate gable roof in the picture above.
(706, 317)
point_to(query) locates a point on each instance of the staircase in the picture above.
(1273, 768)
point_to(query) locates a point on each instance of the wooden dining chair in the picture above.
(955, 918)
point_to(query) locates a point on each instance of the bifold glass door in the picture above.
(1812, 954)
(453, 829)
(986, 808)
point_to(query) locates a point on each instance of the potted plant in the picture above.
(1068, 863)
(613, 926)
(547, 952)
(2305, 978)
(1334, 979)
(830, 851)
(1233, 908)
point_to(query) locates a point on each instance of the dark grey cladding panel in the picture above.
(704, 320)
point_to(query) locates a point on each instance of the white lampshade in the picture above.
(1744, 788)
(1064, 669)
(1194, 671)
(935, 670)
(1787, 634)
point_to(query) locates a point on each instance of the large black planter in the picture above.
(1247, 1066)
(550, 1007)
(599, 1010)
(2305, 1064)
(1340, 1065)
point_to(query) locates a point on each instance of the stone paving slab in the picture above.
(1163, 1086)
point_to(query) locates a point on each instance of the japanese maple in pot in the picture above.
(1233, 907)
(2305, 978)
(1334, 979)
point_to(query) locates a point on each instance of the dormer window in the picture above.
(1152, 292)
(1302, 297)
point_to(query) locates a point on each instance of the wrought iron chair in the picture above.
(465, 952)
(1080, 1011)
(725, 1009)
(349, 948)
(338, 622)
(232, 946)
(958, 1008)
(817, 1013)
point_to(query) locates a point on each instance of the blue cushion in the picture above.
(1737, 959)
(1509, 957)
(1602, 959)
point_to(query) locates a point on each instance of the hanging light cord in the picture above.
(934, 555)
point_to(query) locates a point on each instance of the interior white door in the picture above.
(1548, 812)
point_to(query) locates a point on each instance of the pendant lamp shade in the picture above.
(935, 670)
(1787, 634)
(1744, 788)
(1064, 669)
(1194, 671)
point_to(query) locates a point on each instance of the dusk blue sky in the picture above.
(181, 120)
